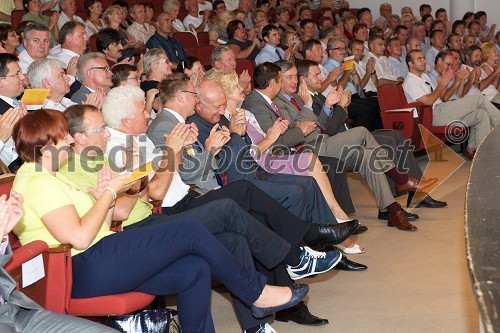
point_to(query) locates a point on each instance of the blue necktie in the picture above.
(278, 53)
(15, 102)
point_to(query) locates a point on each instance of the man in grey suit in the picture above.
(294, 110)
(93, 71)
(18, 313)
(357, 148)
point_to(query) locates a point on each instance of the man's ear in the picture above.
(45, 83)
(79, 138)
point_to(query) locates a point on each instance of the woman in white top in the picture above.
(490, 73)
(94, 22)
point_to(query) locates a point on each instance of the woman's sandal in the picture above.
(356, 249)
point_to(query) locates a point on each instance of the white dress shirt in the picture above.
(177, 189)
(60, 53)
(195, 21)
(25, 61)
(63, 18)
(416, 87)
(61, 106)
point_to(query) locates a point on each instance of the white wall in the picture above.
(454, 8)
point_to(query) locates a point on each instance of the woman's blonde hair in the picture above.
(487, 49)
(110, 10)
(228, 81)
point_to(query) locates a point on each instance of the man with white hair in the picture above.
(36, 44)
(93, 72)
(68, 10)
(50, 74)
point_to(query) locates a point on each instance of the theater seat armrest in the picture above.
(59, 248)
(24, 254)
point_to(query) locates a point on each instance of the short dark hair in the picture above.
(456, 24)
(121, 72)
(5, 60)
(409, 56)
(399, 28)
(441, 55)
(267, 30)
(376, 31)
(303, 67)
(68, 28)
(264, 73)
(309, 44)
(439, 11)
(232, 27)
(425, 17)
(423, 6)
(363, 10)
(106, 37)
(434, 23)
(171, 85)
(303, 9)
(304, 22)
(480, 14)
(448, 39)
(75, 115)
(121, 3)
(435, 32)
(353, 42)
(4, 31)
(470, 49)
(357, 27)
(216, 3)
(467, 15)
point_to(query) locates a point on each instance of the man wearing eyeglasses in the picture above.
(93, 72)
(11, 110)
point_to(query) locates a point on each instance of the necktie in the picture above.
(15, 102)
(294, 102)
(278, 53)
(275, 108)
(218, 177)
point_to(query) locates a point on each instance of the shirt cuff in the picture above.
(327, 111)
(308, 107)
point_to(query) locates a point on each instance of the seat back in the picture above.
(15, 17)
(187, 39)
(204, 53)
(245, 64)
(203, 38)
(391, 97)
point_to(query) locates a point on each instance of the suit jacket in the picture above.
(4, 106)
(197, 163)
(80, 95)
(266, 117)
(333, 124)
(8, 289)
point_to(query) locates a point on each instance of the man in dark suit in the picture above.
(18, 313)
(93, 72)
(355, 147)
(11, 110)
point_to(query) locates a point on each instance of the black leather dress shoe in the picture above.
(301, 315)
(333, 234)
(348, 265)
(429, 202)
(409, 216)
(299, 291)
(360, 229)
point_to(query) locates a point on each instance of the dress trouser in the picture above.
(360, 152)
(334, 169)
(241, 234)
(394, 143)
(168, 258)
(259, 205)
(364, 113)
(474, 110)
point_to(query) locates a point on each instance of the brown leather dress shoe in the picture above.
(400, 221)
(414, 184)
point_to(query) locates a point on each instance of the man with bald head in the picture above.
(163, 39)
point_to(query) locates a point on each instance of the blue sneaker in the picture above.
(313, 262)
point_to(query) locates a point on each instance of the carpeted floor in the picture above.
(416, 281)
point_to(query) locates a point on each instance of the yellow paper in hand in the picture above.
(35, 96)
(140, 172)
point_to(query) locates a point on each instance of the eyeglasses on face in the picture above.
(106, 68)
(18, 74)
(191, 92)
